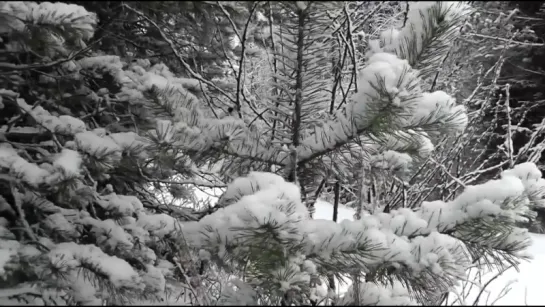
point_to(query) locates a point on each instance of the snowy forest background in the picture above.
(424, 119)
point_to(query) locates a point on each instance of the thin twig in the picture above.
(242, 40)
(509, 136)
(509, 41)
(442, 166)
(22, 217)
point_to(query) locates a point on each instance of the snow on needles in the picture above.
(421, 25)
(108, 257)
(71, 255)
(63, 124)
(406, 238)
(27, 14)
(59, 13)
(261, 228)
(69, 161)
(64, 166)
(388, 88)
(190, 127)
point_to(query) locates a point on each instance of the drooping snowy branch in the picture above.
(411, 243)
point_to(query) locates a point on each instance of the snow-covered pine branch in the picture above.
(391, 106)
(266, 236)
(428, 34)
(92, 142)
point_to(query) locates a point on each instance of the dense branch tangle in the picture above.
(299, 83)
(299, 88)
(261, 230)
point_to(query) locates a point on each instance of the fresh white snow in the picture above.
(523, 287)
(324, 210)
(510, 288)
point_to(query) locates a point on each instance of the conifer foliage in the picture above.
(100, 153)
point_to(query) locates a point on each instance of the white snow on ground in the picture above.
(324, 211)
(513, 288)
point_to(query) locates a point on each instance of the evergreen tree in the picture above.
(98, 149)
